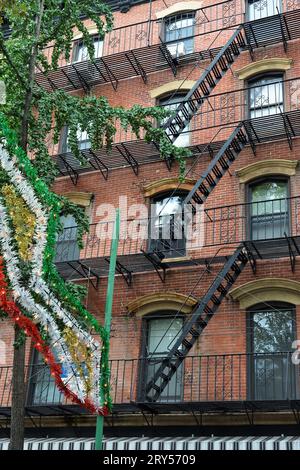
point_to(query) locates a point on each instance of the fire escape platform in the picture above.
(127, 265)
(247, 407)
(108, 69)
(139, 152)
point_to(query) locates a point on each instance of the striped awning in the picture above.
(165, 443)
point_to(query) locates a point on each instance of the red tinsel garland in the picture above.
(30, 329)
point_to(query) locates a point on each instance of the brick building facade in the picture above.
(236, 375)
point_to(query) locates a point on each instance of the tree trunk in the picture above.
(18, 394)
(18, 379)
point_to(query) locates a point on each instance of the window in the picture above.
(265, 95)
(161, 332)
(179, 33)
(83, 140)
(263, 8)
(81, 54)
(171, 104)
(269, 209)
(271, 334)
(66, 246)
(42, 389)
(167, 225)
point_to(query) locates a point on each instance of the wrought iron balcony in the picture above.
(233, 382)
(270, 112)
(149, 46)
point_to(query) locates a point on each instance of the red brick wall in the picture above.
(226, 333)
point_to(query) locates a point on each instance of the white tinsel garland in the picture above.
(37, 285)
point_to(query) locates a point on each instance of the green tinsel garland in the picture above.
(54, 205)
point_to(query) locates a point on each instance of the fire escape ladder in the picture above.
(202, 313)
(206, 83)
(218, 166)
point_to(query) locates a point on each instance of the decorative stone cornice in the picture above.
(267, 290)
(161, 301)
(171, 87)
(267, 168)
(264, 65)
(167, 184)
(179, 7)
(80, 198)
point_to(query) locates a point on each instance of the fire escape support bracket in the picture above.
(86, 271)
(167, 55)
(198, 418)
(69, 79)
(248, 43)
(159, 267)
(99, 165)
(169, 160)
(295, 406)
(284, 39)
(249, 410)
(73, 174)
(292, 255)
(125, 273)
(289, 131)
(249, 129)
(136, 65)
(250, 247)
(111, 76)
(83, 82)
(123, 150)
(100, 72)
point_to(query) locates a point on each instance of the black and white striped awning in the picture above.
(165, 443)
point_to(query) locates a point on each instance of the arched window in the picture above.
(179, 33)
(80, 52)
(263, 8)
(171, 103)
(167, 225)
(271, 332)
(269, 208)
(160, 331)
(266, 95)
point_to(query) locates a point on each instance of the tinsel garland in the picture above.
(45, 279)
(30, 329)
(23, 221)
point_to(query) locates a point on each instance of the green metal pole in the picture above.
(108, 310)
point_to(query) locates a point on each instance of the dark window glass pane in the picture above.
(269, 210)
(161, 335)
(67, 246)
(272, 374)
(273, 331)
(266, 96)
(167, 226)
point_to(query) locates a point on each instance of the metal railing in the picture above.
(217, 113)
(257, 221)
(201, 378)
(180, 234)
(207, 20)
